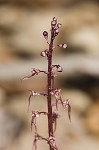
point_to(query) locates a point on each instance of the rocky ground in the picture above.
(21, 25)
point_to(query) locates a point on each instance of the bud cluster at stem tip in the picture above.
(55, 26)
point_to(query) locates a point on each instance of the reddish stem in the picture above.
(49, 100)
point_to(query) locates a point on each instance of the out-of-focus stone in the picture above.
(9, 128)
(2, 96)
(23, 28)
(41, 3)
(82, 28)
(92, 119)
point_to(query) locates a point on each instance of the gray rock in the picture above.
(9, 128)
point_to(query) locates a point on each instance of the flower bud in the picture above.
(53, 23)
(33, 93)
(62, 45)
(43, 54)
(56, 32)
(59, 69)
(54, 19)
(45, 34)
(59, 25)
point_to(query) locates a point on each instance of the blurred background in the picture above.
(21, 41)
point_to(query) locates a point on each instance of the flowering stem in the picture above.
(49, 86)
(52, 115)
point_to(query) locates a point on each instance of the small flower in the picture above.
(58, 67)
(54, 19)
(52, 142)
(59, 25)
(33, 72)
(32, 93)
(36, 114)
(44, 53)
(53, 22)
(29, 76)
(56, 32)
(56, 93)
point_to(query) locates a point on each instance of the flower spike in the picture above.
(52, 108)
